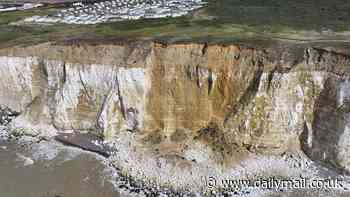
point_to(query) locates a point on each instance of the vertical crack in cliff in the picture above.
(63, 79)
(98, 126)
(64, 73)
(198, 77)
(84, 87)
(57, 88)
(249, 94)
(188, 72)
(204, 49)
(270, 78)
(43, 68)
(120, 97)
(41, 89)
(210, 81)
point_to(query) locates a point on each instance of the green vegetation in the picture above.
(220, 21)
(298, 14)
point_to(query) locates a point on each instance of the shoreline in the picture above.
(123, 183)
(130, 185)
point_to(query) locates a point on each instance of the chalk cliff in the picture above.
(232, 100)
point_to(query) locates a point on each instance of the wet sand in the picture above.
(46, 170)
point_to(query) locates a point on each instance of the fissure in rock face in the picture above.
(226, 98)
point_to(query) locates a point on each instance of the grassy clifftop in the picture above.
(220, 21)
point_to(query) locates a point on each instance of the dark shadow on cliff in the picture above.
(320, 142)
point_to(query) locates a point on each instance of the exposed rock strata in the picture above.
(179, 98)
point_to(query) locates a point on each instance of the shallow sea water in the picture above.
(51, 170)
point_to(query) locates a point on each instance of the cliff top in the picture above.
(225, 21)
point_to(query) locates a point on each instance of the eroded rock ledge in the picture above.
(194, 103)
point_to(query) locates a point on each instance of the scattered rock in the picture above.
(7, 115)
(85, 141)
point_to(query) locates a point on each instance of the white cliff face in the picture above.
(201, 105)
(80, 94)
(124, 106)
(101, 97)
(16, 80)
(344, 93)
(73, 96)
(326, 128)
(343, 144)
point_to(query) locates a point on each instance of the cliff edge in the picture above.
(206, 108)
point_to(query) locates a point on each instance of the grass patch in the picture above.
(221, 21)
